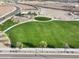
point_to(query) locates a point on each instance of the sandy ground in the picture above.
(57, 14)
(6, 9)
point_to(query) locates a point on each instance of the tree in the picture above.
(34, 14)
(66, 45)
(43, 44)
(19, 45)
(29, 13)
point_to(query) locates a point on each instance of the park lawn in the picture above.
(0, 27)
(7, 24)
(55, 33)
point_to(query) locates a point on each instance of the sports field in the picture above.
(55, 33)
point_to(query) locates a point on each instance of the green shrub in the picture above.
(19, 14)
(43, 44)
(42, 18)
(19, 45)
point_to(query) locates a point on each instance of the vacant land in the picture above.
(57, 34)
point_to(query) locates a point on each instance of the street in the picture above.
(41, 57)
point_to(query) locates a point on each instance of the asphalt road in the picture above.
(24, 56)
(34, 58)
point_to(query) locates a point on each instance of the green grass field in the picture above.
(55, 33)
(6, 24)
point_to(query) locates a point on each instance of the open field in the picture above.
(55, 33)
